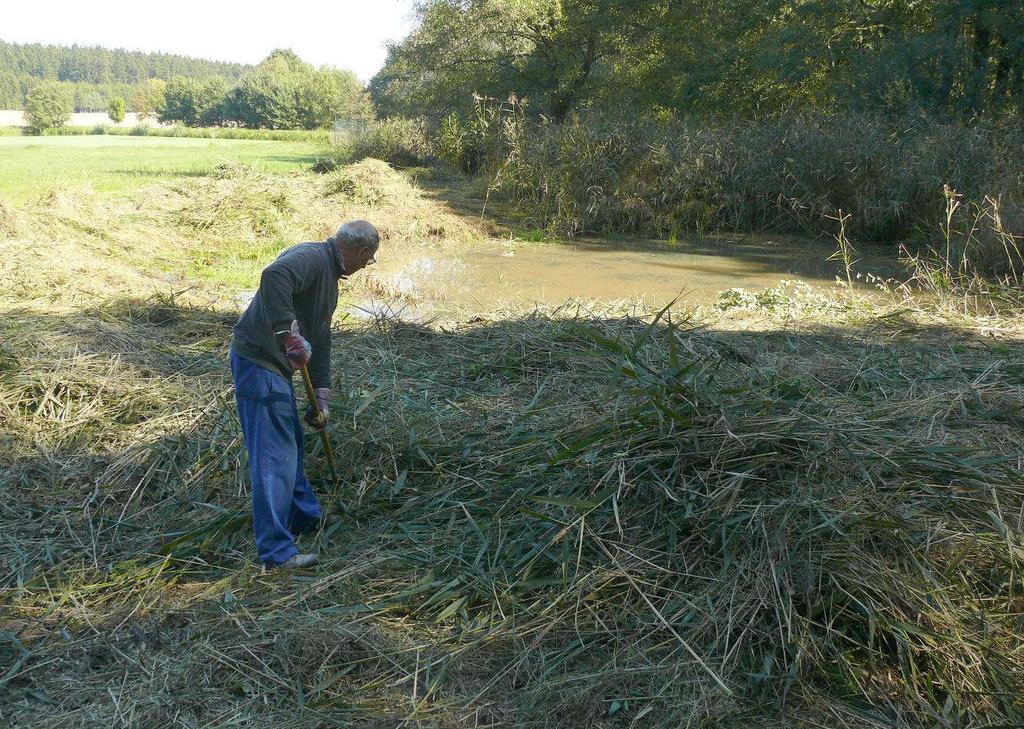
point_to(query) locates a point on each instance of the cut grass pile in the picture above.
(567, 518)
(563, 519)
(221, 228)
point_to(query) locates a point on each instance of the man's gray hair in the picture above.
(357, 234)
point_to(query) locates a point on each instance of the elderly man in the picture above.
(288, 325)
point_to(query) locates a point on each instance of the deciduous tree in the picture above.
(116, 110)
(48, 106)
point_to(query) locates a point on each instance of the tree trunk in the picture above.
(978, 74)
(564, 98)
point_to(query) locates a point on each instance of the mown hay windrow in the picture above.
(372, 182)
(225, 227)
(241, 203)
(372, 185)
(240, 206)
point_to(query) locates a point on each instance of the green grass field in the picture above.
(33, 165)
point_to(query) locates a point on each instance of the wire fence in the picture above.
(346, 129)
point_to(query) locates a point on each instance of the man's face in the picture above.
(363, 257)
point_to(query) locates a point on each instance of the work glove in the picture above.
(297, 350)
(323, 398)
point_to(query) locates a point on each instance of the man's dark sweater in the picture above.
(302, 284)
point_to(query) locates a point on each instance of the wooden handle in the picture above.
(311, 396)
(310, 392)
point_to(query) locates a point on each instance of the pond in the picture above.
(484, 276)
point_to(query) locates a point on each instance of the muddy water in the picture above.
(481, 277)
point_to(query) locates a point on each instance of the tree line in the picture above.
(92, 75)
(725, 57)
(282, 92)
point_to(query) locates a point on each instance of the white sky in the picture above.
(345, 33)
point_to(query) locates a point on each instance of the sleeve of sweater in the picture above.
(290, 273)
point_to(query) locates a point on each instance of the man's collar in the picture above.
(339, 265)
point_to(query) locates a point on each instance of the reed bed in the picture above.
(787, 173)
(887, 178)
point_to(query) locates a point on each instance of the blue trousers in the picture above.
(283, 502)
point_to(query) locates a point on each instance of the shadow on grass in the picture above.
(304, 160)
(157, 174)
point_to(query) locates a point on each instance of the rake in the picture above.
(311, 397)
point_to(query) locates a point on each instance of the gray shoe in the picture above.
(298, 561)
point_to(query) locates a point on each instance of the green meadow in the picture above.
(114, 164)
